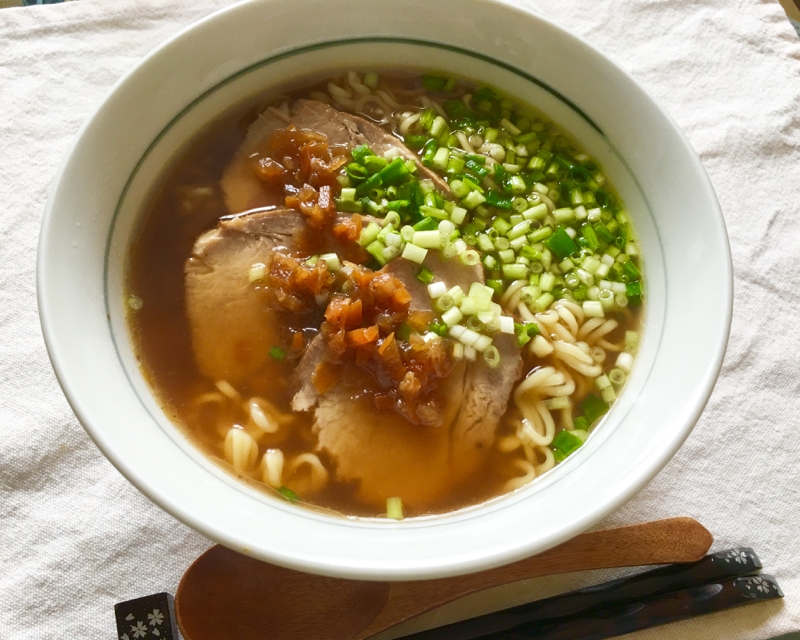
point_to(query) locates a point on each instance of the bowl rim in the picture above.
(704, 389)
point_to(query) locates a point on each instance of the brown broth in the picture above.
(187, 203)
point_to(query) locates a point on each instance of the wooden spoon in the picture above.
(228, 596)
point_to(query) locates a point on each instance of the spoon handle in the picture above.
(660, 542)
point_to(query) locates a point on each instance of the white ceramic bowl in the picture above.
(247, 48)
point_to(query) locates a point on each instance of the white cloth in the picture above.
(75, 537)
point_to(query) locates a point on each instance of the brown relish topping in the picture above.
(302, 163)
(365, 312)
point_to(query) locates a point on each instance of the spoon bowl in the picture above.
(226, 595)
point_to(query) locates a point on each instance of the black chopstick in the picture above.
(672, 607)
(714, 567)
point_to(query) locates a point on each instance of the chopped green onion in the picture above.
(601, 382)
(502, 243)
(593, 408)
(608, 394)
(433, 212)
(473, 199)
(542, 302)
(454, 164)
(564, 216)
(368, 185)
(439, 328)
(473, 186)
(459, 189)
(591, 264)
(428, 239)
(530, 253)
(452, 316)
(444, 303)
(507, 256)
(441, 158)
(485, 243)
(617, 377)
(425, 275)
(428, 151)
(624, 362)
(547, 281)
(277, 354)
(426, 224)
(415, 253)
(483, 342)
(561, 244)
(521, 331)
(394, 171)
(469, 257)
(514, 271)
(541, 234)
(593, 309)
(581, 426)
(371, 79)
(564, 444)
(416, 141)
(256, 273)
(496, 200)
(468, 307)
(491, 356)
(519, 229)
(377, 250)
(606, 298)
(404, 331)
(631, 271)
(332, 262)
(436, 289)
(438, 126)
(450, 251)
(495, 285)
(288, 494)
(501, 226)
(476, 168)
(433, 83)
(374, 164)
(517, 185)
(457, 215)
(394, 508)
(457, 293)
(508, 126)
(603, 233)
(361, 153)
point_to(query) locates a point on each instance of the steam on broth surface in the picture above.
(386, 294)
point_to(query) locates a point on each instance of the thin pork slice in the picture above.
(232, 327)
(487, 392)
(382, 450)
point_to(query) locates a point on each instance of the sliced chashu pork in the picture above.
(232, 327)
(244, 190)
(486, 391)
(390, 456)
